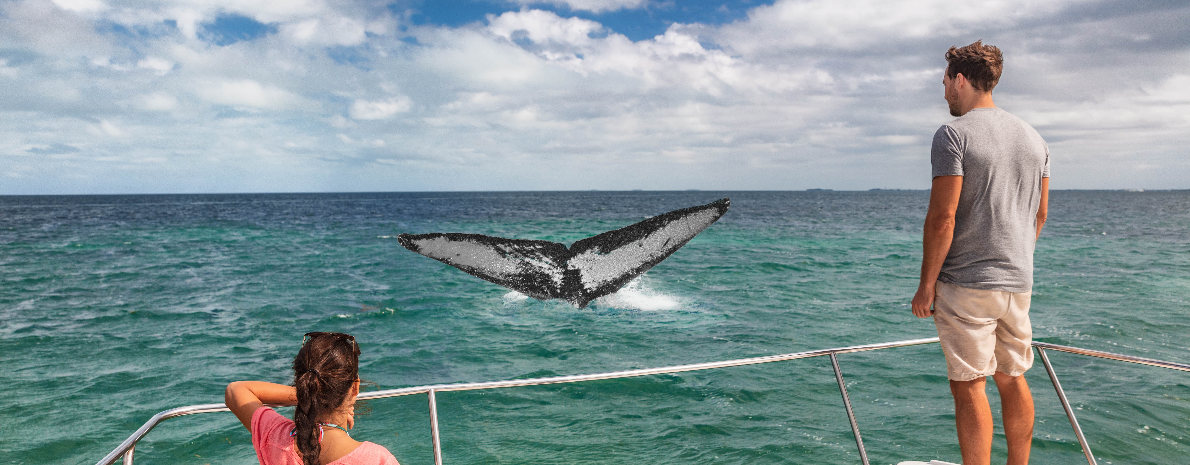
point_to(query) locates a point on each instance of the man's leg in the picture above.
(973, 419)
(1017, 405)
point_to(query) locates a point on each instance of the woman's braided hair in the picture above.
(323, 372)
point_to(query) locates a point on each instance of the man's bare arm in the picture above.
(939, 232)
(1043, 208)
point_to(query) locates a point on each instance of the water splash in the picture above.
(514, 297)
(637, 297)
(633, 296)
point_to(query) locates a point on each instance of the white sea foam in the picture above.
(514, 297)
(632, 296)
(638, 297)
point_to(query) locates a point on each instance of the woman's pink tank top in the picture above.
(274, 445)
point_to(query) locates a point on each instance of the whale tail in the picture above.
(588, 269)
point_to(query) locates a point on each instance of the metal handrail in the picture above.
(1049, 369)
(1113, 356)
(125, 449)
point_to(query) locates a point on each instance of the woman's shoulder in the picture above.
(269, 428)
(268, 418)
(368, 453)
(270, 437)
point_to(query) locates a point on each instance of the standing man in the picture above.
(987, 206)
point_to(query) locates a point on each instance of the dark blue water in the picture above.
(116, 307)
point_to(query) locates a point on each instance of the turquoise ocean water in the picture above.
(114, 308)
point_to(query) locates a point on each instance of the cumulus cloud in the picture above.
(159, 101)
(247, 93)
(674, 59)
(81, 6)
(44, 28)
(827, 24)
(327, 31)
(350, 95)
(159, 66)
(1173, 90)
(381, 109)
(105, 127)
(595, 6)
(543, 26)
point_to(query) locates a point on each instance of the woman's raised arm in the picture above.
(244, 397)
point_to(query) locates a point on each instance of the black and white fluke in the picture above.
(588, 269)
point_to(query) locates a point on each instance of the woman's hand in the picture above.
(244, 397)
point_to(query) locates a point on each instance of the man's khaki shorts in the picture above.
(982, 331)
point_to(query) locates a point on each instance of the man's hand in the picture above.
(923, 302)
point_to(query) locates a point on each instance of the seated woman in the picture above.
(325, 384)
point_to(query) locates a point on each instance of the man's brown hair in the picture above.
(980, 64)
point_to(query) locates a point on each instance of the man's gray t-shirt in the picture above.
(1002, 161)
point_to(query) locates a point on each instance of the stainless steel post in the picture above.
(128, 455)
(859, 442)
(434, 429)
(1078, 432)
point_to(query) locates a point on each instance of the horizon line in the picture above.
(550, 191)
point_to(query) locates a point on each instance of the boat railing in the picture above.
(127, 448)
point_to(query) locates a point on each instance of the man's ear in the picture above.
(960, 80)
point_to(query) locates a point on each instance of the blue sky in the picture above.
(101, 96)
(648, 20)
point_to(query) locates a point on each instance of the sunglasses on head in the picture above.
(317, 334)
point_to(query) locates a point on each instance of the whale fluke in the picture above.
(588, 269)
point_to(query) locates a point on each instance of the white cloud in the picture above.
(247, 93)
(159, 66)
(43, 28)
(306, 21)
(543, 26)
(7, 71)
(795, 95)
(671, 59)
(267, 11)
(853, 25)
(187, 20)
(1173, 90)
(334, 30)
(81, 6)
(595, 6)
(381, 109)
(159, 101)
(1161, 106)
(463, 56)
(106, 127)
(337, 121)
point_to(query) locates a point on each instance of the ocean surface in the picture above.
(114, 308)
